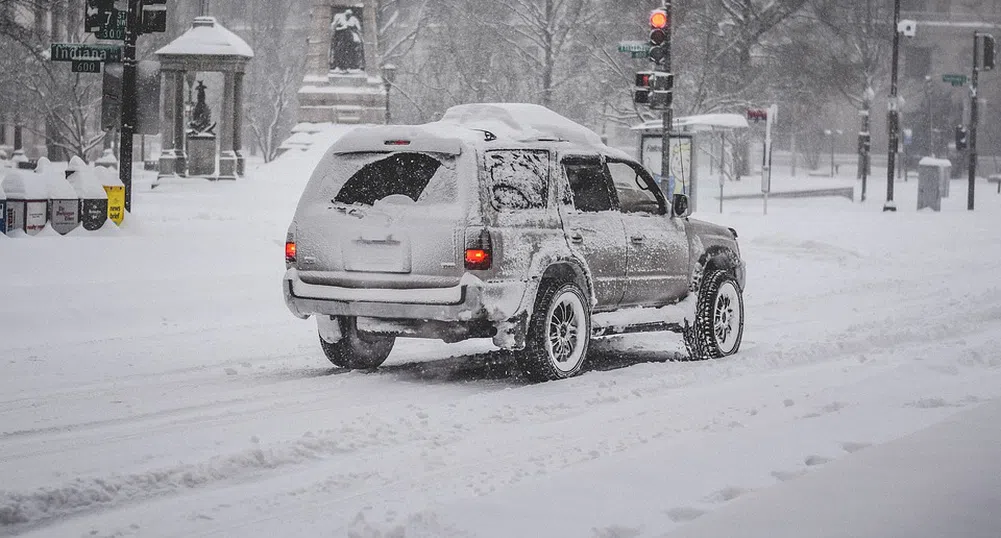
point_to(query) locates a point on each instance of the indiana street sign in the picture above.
(955, 80)
(68, 52)
(86, 66)
(634, 47)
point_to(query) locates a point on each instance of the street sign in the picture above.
(113, 25)
(955, 80)
(639, 54)
(68, 52)
(634, 46)
(86, 66)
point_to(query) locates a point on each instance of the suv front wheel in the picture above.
(558, 334)
(719, 318)
(355, 350)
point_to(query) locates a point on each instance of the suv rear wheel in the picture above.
(355, 350)
(558, 334)
(719, 318)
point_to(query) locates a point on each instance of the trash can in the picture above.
(107, 160)
(933, 182)
(93, 198)
(116, 193)
(64, 203)
(27, 203)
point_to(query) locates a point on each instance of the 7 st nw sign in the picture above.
(67, 52)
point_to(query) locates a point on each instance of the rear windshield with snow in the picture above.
(366, 178)
(518, 179)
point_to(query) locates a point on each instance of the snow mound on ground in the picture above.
(92, 493)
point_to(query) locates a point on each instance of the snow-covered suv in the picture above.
(503, 221)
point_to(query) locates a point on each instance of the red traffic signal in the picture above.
(757, 114)
(658, 19)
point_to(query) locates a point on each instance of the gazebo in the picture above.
(206, 47)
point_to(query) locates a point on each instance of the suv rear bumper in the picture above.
(464, 302)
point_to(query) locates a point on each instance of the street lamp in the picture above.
(388, 76)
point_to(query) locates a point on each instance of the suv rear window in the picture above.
(518, 179)
(421, 177)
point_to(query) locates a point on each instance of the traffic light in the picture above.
(662, 90)
(660, 27)
(641, 93)
(962, 138)
(95, 14)
(154, 16)
(988, 52)
(757, 114)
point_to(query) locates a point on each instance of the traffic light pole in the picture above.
(893, 114)
(129, 99)
(973, 119)
(668, 117)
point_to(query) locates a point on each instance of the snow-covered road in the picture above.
(155, 385)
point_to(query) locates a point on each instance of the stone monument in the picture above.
(342, 82)
(201, 139)
(205, 48)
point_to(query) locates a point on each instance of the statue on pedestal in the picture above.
(347, 46)
(201, 120)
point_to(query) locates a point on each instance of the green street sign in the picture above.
(68, 52)
(955, 80)
(640, 54)
(635, 47)
(86, 66)
(113, 25)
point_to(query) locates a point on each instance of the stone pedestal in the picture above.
(228, 165)
(343, 98)
(351, 96)
(201, 155)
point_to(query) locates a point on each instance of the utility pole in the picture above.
(129, 99)
(893, 116)
(668, 117)
(974, 97)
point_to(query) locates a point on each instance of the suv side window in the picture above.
(589, 184)
(633, 187)
(518, 179)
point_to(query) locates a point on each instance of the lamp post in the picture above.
(388, 76)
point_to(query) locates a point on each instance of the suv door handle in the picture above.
(576, 237)
(638, 238)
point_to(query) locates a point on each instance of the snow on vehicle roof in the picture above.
(466, 124)
(206, 37)
(521, 121)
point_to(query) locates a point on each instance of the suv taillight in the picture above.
(290, 252)
(479, 250)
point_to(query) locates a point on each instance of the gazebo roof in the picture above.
(206, 37)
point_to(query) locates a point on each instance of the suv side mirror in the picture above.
(679, 204)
